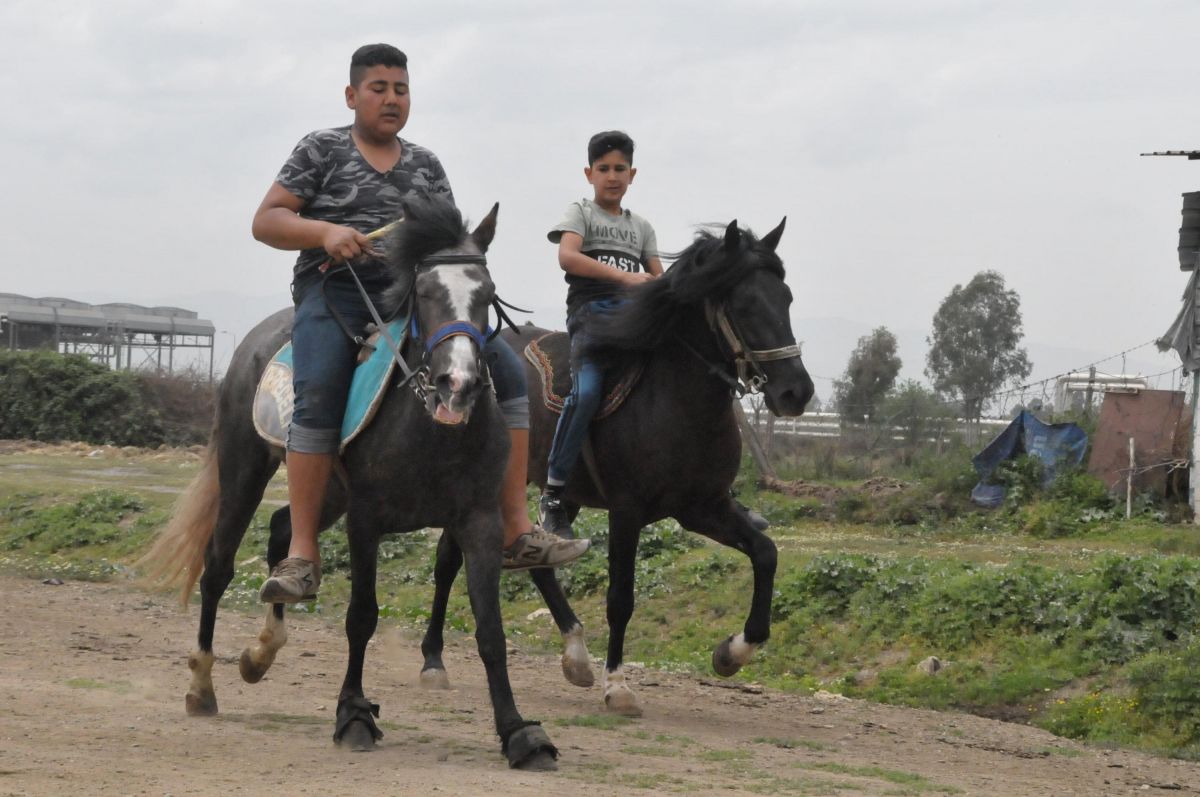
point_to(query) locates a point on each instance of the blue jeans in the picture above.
(323, 362)
(587, 392)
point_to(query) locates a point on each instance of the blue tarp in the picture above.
(1055, 444)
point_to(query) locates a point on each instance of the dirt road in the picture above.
(92, 678)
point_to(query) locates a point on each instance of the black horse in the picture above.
(408, 470)
(716, 322)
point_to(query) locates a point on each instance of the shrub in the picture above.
(1167, 689)
(49, 396)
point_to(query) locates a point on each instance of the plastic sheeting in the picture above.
(1055, 444)
(1182, 336)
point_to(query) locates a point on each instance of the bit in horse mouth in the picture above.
(443, 414)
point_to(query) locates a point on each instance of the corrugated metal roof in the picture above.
(128, 317)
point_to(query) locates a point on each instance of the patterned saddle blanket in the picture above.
(274, 399)
(551, 356)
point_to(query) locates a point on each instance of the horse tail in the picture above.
(177, 556)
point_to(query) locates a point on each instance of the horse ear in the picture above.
(486, 230)
(771, 239)
(732, 236)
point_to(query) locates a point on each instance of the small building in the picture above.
(1071, 391)
(120, 335)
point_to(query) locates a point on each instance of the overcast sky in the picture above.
(910, 143)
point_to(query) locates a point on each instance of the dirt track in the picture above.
(92, 678)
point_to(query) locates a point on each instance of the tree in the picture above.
(974, 348)
(916, 411)
(870, 374)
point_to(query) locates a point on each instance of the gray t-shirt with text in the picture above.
(625, 242)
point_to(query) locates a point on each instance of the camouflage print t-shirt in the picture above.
(337, 184)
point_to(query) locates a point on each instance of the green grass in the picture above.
(879, 773)
(605, 722)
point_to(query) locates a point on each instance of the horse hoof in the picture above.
(538, 762)
(578, 672)
(530, 749)
(253, 673)
(434, 678)
(201, 704)
(623, 702)
(358, 738)
(723, 661)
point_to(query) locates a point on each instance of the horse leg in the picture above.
(242, 487)
(576, 663)
(355, 714)
(623, 534)
(256, 660)
(524, 743)
(445, 570)
(722, 522)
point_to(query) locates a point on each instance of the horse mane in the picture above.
(704, 270)
(431, 224)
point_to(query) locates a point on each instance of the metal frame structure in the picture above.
(119, 335)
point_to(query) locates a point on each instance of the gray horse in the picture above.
(405, 472)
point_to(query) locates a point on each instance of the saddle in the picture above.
(551, 356)
(274, 399)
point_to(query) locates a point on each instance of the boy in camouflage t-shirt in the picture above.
(337, 186)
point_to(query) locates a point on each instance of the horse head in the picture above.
(754, 322)
(442, 280)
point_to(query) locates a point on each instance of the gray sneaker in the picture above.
(293, 580)
(539, 548)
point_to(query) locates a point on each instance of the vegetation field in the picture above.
(1053, 611)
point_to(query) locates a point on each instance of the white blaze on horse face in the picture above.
(461, 287)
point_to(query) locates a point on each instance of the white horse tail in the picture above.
(178, 553)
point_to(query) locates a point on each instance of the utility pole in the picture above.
(1189, 255)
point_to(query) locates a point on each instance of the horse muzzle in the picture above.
(453, 396)
(788, 388)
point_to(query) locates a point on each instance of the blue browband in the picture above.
(451, 330)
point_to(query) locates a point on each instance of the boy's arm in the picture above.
(573, 261)
(278, 223)
(654, 266)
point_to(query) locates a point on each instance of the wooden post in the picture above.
(1129, 483)
(756, 449)
(1087, 405)
(1193, 471)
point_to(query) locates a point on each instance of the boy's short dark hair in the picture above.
(603, 143)
(370, 55)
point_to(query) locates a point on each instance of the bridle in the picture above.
(418, 378)
(748, 376)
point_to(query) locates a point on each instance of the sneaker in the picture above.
(539, 548)
(293, 580)
(553, 515)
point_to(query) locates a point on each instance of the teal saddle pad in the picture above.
(274, 399)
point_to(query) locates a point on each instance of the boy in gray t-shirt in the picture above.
(603, 248)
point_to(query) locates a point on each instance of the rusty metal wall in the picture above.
(1159, 422)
